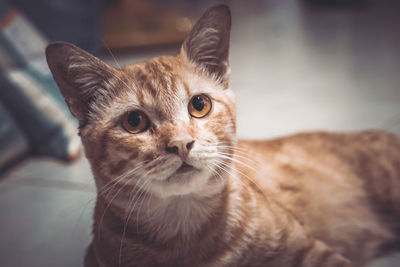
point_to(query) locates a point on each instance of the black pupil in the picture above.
(134, 119)
(198, 103)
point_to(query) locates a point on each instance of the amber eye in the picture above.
(199, 106)
(135, 121)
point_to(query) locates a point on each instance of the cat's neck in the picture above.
(165, 218)
(175, 228)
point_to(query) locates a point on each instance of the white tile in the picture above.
(43, 226)
(48, 172)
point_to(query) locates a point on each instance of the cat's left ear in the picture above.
(81, 77)
(208, 42)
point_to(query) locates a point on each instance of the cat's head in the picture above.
(166, 125)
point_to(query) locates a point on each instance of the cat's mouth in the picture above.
(183, 171)
(185, 168)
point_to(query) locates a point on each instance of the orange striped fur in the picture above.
(185, 192)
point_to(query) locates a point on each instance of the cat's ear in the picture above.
(208, 42)
(80, 76)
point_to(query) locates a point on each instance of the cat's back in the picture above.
(338, 185)
(370, 159)
(322, 142)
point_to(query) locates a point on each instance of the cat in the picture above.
(176, 188)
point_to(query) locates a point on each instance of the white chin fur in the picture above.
(194, 184)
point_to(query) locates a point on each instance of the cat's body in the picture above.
(175, 187)
(339, 189)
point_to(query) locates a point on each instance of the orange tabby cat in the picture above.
(176, 188)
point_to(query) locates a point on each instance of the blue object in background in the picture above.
(30, 96)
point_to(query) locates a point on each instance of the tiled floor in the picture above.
(46, 212)
(294, 68)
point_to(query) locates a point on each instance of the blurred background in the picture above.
(297, 65)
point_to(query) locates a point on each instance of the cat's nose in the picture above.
(180, 146)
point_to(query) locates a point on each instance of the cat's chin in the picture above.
(188, 180)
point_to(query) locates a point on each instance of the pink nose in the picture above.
(180, 146)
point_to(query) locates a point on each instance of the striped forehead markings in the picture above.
(145, 81)
(167, 67)
(159, 85)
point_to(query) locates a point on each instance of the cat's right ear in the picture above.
(80, 76)
(208, 42)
